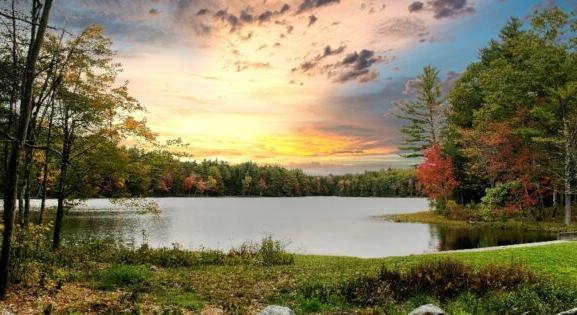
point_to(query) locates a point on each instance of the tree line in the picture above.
(115, 171)
(503, 141)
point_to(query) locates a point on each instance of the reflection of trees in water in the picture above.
(463, 238)
(127, 227)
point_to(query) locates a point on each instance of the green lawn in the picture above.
(254, 286)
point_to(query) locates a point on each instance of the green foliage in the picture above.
(132, 277)
(512, 118)
(424, 116)
(501, 197)
(271, 252)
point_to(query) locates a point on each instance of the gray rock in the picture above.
(276, 310)
(569, 312)
(428, 309)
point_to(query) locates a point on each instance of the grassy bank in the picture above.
(308, 284)
(548, 225)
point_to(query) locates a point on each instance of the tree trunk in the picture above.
(567, 174)
(11, 177)
(61, 192)
(26, 188)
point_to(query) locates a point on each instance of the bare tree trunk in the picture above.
(567, 173)
(26, 188)
(11, 177)
(45, 170)
(61, 193)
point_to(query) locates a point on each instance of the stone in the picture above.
(428, 309)
(276, 310)
(569, 312)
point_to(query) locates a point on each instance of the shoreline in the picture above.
(430, 217)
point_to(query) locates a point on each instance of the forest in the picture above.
(502, 142)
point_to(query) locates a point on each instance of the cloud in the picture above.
(312, 20)
(308, 5)
(242, 65)
(416, 6)
(450, 8)
(356, 66)
(153, 11)
(327, 52)
(402, 27)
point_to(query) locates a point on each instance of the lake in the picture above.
(311, 225)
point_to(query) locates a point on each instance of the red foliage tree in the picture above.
(436, 174)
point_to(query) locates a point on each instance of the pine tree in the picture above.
(424, 116)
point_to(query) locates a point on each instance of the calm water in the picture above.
(314, 225)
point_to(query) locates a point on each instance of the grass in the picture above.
(247, 288)
(431, 217)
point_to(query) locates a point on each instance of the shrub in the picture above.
(273, 252)
(441, 279)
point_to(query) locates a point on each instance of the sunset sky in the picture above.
(302, 83)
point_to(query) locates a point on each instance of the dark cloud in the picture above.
(312, 20)
(416, 6)
(356, 66)
(327, 52)
(246, 17)
(153, 11)
(308, 5)
(265, 16)
(450, 8)
(202, 12)
(285, 8)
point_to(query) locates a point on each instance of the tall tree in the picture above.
(424, 116)
(38, 23)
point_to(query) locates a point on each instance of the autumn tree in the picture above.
(436, 176)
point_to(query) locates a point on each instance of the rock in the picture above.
(276, 310)
(569, 312)
(428, 309)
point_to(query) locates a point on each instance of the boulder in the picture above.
(428, 309)
(276, 310)
(569, 312)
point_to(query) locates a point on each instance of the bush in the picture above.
(440, 279)
(271, 252)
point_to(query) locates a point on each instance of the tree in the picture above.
(39, 22)
(512, 114)
(246, 181)
(91, 108)
(261, 185)
(424, 116)
(436, 176)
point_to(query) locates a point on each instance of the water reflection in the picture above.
(476, 237)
